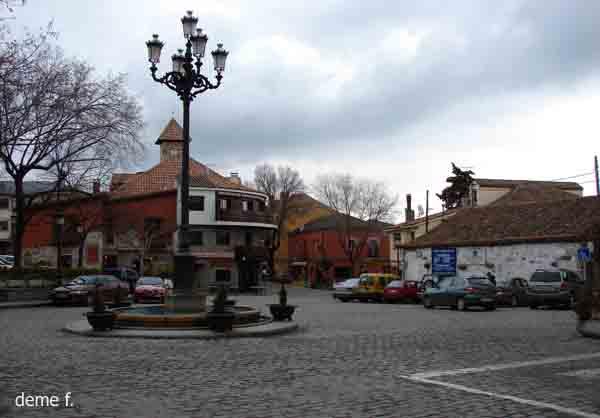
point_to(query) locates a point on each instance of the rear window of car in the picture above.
(150, 281)
(546, 276)
(395, 283)
(479, 281)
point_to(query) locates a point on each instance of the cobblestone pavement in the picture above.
(348, 360)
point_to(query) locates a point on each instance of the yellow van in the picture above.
(371, 285)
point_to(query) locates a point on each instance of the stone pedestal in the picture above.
(190, 291)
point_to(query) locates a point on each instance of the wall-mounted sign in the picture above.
(443, 260)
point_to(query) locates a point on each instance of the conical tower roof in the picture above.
(171, 133)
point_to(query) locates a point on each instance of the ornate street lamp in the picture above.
(187, 81)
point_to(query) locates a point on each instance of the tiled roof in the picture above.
(172, 132)
(512, 183)
(161, 177)
(29, 187)
(564, 220)
(211, 179)
(532, 193)
(332, 221)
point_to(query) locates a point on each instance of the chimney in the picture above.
(96, 186)
(409, 213)
(235, 178)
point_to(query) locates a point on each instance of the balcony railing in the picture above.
(241, 216)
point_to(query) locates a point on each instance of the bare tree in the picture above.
(360, 207)
(55, 114)
(280, 185)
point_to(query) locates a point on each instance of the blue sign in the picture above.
(443, 260)
(583, 254)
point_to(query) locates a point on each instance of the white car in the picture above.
(343, 290)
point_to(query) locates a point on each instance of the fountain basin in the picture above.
(160, 317)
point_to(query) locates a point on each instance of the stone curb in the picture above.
(589, 329)
(25, 304)
(82, 328)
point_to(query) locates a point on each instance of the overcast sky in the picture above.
(390, 90)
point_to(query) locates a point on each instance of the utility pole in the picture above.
(596, 172)
(427, 212)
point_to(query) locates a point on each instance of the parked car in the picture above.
(401, 291)
(5, 265)
(150, 289)
(427, 281)
(371, 286)
(553, 288)
(512, 292)
(343, 290)
(8, 259)
(81, 290)
(125, 274)
(461, 293)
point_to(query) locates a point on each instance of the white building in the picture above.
(508, 241)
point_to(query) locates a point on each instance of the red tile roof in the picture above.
(565, 220)
(172, 132)
(531, 193)
(512, 183)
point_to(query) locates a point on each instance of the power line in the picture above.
(572, 177)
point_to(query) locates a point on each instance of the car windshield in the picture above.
(150, 281)
(395, 283)
(546, 276)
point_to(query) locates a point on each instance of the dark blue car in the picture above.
(461, 293)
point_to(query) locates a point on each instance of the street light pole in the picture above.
(187, 81)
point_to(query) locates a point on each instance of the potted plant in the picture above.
(100, 318)
(220, 317)
(282, 311)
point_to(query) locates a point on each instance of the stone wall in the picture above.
(505, 262)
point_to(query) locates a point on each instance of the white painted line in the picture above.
(583, 373)
(523, 401)
(513, 365)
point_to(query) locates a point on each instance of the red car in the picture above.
(400, 291)
(149, 289)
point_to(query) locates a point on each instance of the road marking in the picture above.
(523, 401)
(582, 373)
(503, 366)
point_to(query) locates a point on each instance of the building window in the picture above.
(4, 226)
(196, 203)
(245, 205)
(412, 235)
(222, 275)
(351, 244)
(224, 204)
(373, 248)
(195, 237)
(250, 205)
(248, 238)
(222, 238)
(4, 203)
(261, 206)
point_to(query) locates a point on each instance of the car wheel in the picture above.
(343, 300)
(135, 300)
(491, 307)
(460, 304)
(514, 301)
(533, 306)
(427, 302)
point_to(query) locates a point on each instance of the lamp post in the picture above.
(187, 81)
(60, 222)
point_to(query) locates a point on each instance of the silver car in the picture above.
(553, 288)
(343, 290)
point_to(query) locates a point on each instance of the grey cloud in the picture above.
(473, 51)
